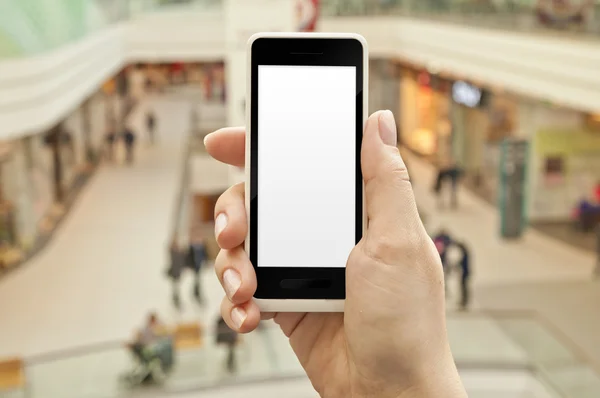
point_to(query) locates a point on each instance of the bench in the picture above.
(187, 336)
(12, 374)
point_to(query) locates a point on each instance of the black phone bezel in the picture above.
(302, 282)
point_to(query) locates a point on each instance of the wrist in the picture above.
(439, 379)
(433, 378)
(448, 385)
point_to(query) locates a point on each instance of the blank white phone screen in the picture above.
(306, 165)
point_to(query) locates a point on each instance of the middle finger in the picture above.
(231, 225)
(236, 274)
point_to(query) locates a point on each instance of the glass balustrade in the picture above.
(574, 17)
(29, 27)
(499, 346)
(196, 3)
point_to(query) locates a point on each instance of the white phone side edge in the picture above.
(294, 305)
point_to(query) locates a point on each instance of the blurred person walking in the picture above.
(109, 145)
(177, 263)
(454, 173)
(151, 126)
(449, 173)
(442, 241)
(465, 268)
(129, 138)
(229, 337)
(197, 256)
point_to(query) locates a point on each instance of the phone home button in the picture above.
(296, 284)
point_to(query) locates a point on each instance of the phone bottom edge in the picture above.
(296, 305)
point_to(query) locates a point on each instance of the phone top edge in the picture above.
(307, 35)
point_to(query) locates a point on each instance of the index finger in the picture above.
(227, 145)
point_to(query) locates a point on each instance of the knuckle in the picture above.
(383, 249)
(226, 306)
(410, 248)
(220, 261)
(394, 169)
(221, 203)
(233, 195)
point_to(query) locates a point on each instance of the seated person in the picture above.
(147, 337)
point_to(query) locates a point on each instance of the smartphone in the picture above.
(304, 189)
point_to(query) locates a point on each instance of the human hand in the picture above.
(391, 340)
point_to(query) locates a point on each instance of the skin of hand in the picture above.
(391, 340)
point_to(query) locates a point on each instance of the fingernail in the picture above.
(238, 316)
(220, 224)
(387, 128)
(231, 282)
(205, 138)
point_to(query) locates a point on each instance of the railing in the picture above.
(581, 18)
(32, 27)
(35, 26)
(481, 341)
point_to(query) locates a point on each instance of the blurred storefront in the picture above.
(25, 188)
(38, 173)
(209, 77)
(40, 169)
(481, 121)
(25, 196)
(88, 125)
(73, 146)
(213, 82)
(565, 161)
(424, 114)
(565, 14)
(384, 86)
(9, 236)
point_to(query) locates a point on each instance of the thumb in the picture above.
(390, 202)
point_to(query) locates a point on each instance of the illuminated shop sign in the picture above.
(466, 94)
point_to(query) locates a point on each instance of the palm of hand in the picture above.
(333, 348)
(320, 343)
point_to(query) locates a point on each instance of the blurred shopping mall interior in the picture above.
(104, 105)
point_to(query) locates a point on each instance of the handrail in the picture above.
(476, 313)
(509, 15)
(67, 353)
